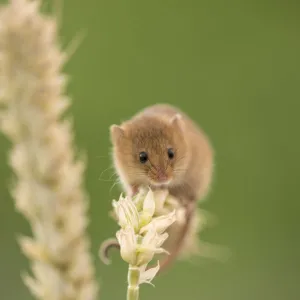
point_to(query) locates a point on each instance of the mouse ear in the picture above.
(116, 132)
(177, 122)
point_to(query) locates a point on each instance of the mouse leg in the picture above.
(190, 207)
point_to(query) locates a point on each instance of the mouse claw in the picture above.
(134, 190)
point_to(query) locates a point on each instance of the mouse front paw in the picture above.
(133, 190)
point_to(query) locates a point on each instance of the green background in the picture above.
(234, 67)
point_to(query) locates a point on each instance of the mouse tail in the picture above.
(105, 249)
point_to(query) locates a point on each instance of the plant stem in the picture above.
(133, 283)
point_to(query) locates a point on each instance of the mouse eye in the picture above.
(143, 157)
(171, 153)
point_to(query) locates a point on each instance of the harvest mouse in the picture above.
(162, 148)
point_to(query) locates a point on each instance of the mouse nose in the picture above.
(161, 175)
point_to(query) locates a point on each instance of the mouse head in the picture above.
(150, 151)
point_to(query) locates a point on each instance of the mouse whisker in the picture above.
(114, 184)
(180, 169)
(112, 175)
(105, 180)
(136, 173)
(179, 172)
(102, 156)
(152, 165)
(180, 158)
(110, 167)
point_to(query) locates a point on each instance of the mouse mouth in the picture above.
(160, 178)
(161, 182)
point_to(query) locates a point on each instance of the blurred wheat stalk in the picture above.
(48, 188)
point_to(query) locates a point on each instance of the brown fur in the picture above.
(154, 130)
